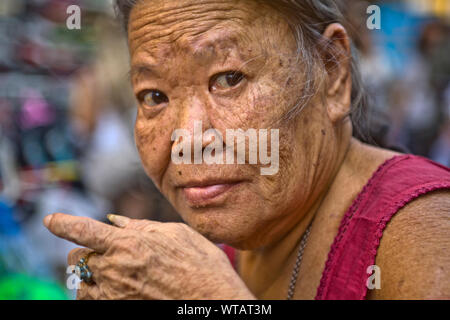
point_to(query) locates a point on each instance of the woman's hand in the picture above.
(142, 259)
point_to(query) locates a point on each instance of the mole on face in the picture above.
(289, 82)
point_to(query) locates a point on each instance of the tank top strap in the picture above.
(395, 183)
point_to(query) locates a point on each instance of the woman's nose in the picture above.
(193, 118)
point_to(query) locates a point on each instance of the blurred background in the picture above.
(67, 114)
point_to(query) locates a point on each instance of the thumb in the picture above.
(118, 221)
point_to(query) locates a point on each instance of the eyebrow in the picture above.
(140, 70)
(144, 69)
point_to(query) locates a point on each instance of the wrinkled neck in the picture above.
(271, 266)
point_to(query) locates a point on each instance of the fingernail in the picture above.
(110, 217)
(47, 220)
(118, 221)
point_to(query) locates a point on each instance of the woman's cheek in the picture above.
(153, 144)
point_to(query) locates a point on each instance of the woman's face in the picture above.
(230, 65)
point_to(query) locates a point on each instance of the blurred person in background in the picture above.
(424, 83)
(440, 150)
(437, 46)
(375, 72)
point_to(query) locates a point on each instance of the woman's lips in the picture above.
(201, 194)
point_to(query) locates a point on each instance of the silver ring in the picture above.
(82, 270)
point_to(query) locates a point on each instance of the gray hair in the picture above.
(308, 20)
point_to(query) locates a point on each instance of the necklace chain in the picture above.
(298, 261)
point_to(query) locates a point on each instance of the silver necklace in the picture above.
(298, 261)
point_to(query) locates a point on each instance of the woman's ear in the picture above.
(337, 57)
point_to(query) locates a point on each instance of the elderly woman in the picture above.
(338, 219)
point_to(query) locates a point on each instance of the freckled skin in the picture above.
(186, 52)
(322, 169)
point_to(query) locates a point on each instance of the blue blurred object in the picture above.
(397, 37)
(22, 275)
(8, 226)
(9, 230)
(17, 253)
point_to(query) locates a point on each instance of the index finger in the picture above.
(83, 231)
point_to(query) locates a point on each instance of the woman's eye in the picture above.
(154, 98)
(227, 80)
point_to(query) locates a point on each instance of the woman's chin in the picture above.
(219, 226)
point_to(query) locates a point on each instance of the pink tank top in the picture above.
(396, 182)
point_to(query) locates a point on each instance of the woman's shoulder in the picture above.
(414, 255)
(414, 251)
(400, 221)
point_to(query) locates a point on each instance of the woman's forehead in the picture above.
(155, 23)
(167, 12)
(212, 47)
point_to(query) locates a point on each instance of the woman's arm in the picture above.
(414, 252)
